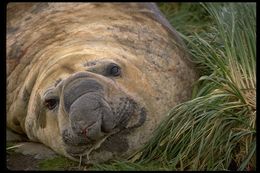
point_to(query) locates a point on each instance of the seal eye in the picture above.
(50, 103)
(115, 70)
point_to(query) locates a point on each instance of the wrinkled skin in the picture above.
(92, 80)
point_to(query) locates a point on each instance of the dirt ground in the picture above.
(25, 156)
(18, 161)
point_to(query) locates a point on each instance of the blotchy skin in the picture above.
(113, 71)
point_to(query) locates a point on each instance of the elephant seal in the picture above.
(92, 80)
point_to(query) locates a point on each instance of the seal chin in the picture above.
(82, 147)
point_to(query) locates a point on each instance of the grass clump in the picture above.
(216, 130)
(186, 17)
(127, 165)
(57, 163)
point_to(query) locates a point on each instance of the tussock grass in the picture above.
(186, 17)
(57, 163)
(216, 130)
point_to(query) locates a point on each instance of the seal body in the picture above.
(92, 80)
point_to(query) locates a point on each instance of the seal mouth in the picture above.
(82, 149)
(85, 130)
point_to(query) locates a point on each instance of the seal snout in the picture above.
(94, 114)
(85, 104)
(86, 114)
